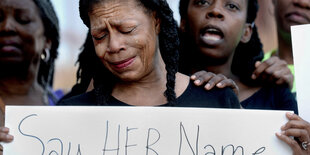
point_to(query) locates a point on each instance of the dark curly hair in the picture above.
(246, 54)
(51, 31)
(90, 67)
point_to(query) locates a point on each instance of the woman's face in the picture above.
(291, 12)
(21, 36)
(217, 26)
(125, 38)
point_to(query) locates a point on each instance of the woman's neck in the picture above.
(15, 91)
(224, 68)
(285, 51)
(142, 92)
(245, 91)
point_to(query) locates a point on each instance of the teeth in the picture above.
(212, 37)
(212, 30)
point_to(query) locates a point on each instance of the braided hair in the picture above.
(51, 31)
(104, 80)
(246, 54)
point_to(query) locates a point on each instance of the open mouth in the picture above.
(212, 35)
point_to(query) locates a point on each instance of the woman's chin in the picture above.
(128, 76)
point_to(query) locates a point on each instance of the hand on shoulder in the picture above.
(212, 80)
(273, 70)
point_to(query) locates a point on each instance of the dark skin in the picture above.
(210, 44)
(289, 13)
(213, 80)
(22, 41)
(296, 126)
(273, 70)
(125, 39)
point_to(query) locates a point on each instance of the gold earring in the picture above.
(45, 55)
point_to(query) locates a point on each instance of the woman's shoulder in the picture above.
(276, 90)
(215, 98)
(181, 83)
(85, 99)
(273, 97)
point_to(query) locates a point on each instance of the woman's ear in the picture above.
(157, 23)
(247, 33)
(48, 44)
(182, 25)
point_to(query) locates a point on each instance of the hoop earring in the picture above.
(45, 55)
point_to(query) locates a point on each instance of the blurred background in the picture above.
(73, 34)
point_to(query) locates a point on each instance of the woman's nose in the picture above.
(7, 26)
(116, 43)
(215, 12)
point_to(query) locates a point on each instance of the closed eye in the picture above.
(128, 30)
(100, 38)
(23, 20)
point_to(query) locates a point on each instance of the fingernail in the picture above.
(290, 114)
(208, 86)
(197, 81)
(278, 134)
(253, 76)
(5, 129)
(219, 85)
(193, 77)
(282, 127)
(10, 137)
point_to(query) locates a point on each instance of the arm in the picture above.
(274, 70)
(212, 80)
(300, 130)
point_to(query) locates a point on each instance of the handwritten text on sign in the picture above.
(143, 131)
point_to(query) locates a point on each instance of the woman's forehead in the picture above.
(112, 4)
(115, 12)
(114, 8)
(18, 4)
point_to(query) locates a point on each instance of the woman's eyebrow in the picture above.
(98, 29)
(23, 11)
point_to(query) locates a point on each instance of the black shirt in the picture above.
(272, 98)
(193, 96)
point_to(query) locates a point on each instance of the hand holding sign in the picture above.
(296, 127)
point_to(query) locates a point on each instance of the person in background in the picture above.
(86, 73)
(135, 55)
(288, 13)
(29, 38)
(208, 45)
(216, 48)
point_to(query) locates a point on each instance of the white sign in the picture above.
(301, 52)
(143, 131)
